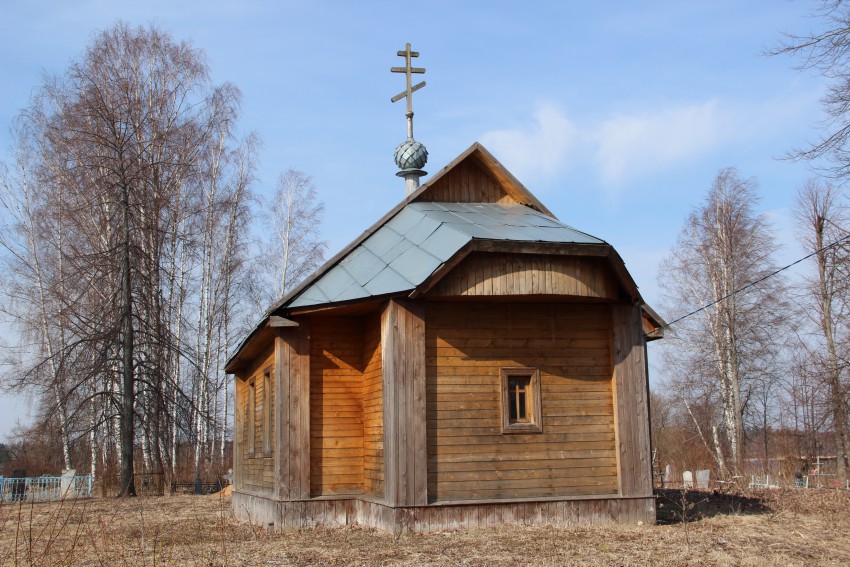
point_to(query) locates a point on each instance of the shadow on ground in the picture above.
(675, 506)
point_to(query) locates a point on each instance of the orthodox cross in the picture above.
(408, 92)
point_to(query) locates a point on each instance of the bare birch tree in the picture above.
(291, 248)
(124, 148)
(33, 265)
(823, 220)
(714, 358)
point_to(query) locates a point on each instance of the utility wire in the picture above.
(758, 281)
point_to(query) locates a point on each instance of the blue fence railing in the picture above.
(44, 488)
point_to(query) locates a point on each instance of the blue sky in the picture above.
(616, 115)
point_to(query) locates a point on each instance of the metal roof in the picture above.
(403, 252)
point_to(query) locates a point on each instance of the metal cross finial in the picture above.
(408, 92)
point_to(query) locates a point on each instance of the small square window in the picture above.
(521, 407)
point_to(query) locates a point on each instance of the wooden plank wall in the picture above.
(467, 183)
(531, 274)
(336, 406)
(292, 467)
(255, 469)
(373, 407)
(405, 453)
(468, 456)
(632, 410)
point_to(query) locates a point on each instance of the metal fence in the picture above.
(44, 488)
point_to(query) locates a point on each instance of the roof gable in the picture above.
(476, 176)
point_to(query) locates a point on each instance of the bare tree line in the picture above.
(766, 372)
(127, 202)
(760, 372)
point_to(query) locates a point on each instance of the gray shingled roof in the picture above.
(421, 237)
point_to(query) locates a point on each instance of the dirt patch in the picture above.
(674, 506)
(800, 528)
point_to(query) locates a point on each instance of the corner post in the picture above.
(292, 412)
(629, 349)
(405, 451)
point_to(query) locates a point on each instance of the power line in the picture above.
(758, 281)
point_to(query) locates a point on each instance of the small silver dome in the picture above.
(411, 154)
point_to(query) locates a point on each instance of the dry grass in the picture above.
(782, 528)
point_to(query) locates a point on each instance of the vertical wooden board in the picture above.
(303, 424)
(633, 419)
(283, 376)
(616, 394)
(467, 190)
(403, 381)
(537, 278)
(405, 448)
(537, 513)
(494, 274)
(277, 446)
(546, 270)
(286, 516)
(467, 183)
(579, 277)
(508, 273)
(418, 423)
(238, 426)
(286, 373)
(294, 460)
(626, 403)
(390, 409)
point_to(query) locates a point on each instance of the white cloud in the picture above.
(621, 147)
(630, 147)
(541, 149)
(638, 144)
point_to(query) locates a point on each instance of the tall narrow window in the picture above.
(267, 414)
(251, 416)
(521, 406)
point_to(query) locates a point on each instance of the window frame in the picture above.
(267, 414)
(534, 411)
(251, 416)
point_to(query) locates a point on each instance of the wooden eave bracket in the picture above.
(260, 333)
(276, 321)
(653, 324)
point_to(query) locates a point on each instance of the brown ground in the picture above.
(781, 528)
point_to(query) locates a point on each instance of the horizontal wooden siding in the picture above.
(336, 406)
(373, 407)
(255, 468)
(468, 456)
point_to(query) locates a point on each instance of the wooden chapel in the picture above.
(468, 360)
